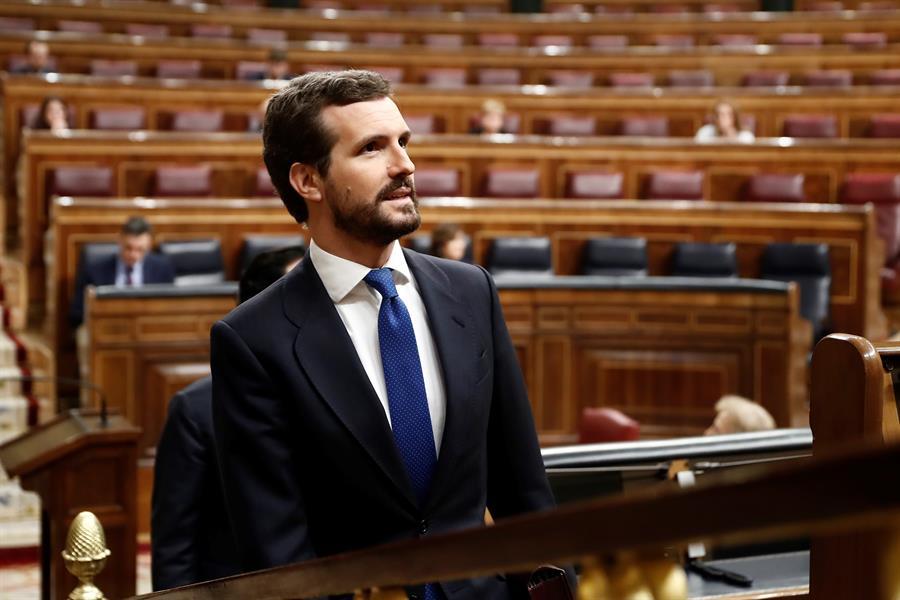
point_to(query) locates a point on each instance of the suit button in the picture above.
(423, 527)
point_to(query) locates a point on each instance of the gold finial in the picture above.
(85, 555)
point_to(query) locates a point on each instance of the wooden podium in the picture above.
(74, 463)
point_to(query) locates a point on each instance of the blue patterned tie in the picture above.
(408, 405)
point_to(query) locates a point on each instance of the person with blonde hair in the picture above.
(493, 113)
(735, 414)
(724, 124)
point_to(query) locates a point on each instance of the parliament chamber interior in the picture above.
(690, 210)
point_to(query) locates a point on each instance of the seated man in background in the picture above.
(38, 60)
(190, 535)
(735, 414)
(133, 265)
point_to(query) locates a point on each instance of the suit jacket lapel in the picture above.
(459, 348)
(328, 357)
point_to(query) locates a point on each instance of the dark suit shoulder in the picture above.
(459, 275)
(247, 314)
(193, 403)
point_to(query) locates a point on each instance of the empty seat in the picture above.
(882, 190)
(443, 40)
(674, 185)
(571, 79)
(809, 267)
(511, 183)
(70, 26)
(615, 256)
(827, 6)
(421, 243)
(701, 78)
(113, 68)
(543, 41)
(775, 187)
(424, 125)
(865, 39)
(800, 39)
(829, 78)
(734, 40)
(765, 79)
(498, 40)
(444, 78)
(629, 80)
(670, 9)
(437, 181)
(183, 181)
(604, 425)
(571, 125)
(80, 181)
(720, 7)
(197, 120)
(653, 126)
(384, 39)
(884, 126)
(147, 30)
(121, 118)
(600, 42)
(196, 262)
(256, 244)
(263, 187)
(674, 41)
(256, 34)
(178, 69)
(499, 77)
(885, 77)
(594, 185)
(520, 256)
(699, 259)
(393, 74)
(250, 70)
(210, 30)
(16, 24)
(810, 126)
(330, 36)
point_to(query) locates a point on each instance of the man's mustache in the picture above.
(396, 185)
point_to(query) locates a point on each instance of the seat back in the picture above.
(95, 252)
(147, 30)
(734, 40)
(511, 183)
(884, 126)
(443, 40)
(883, 191)
(113, 68)
(865, 39)
(599, 42)
(179, 69)
(178, 180)
(597, 185)
(498, 40)
(124, 118)
(829, 78)
(808, 265)
(615, 256)
(421, 243)
(499, 77)
(800, 39)
(264, 186)
(250, 70)
(765, 79)
(437, 181)
(810, 126)
(196, 262)
(674, 40)
(700, 78)
(651, 126)
(520, 255)
(197, 120)
(630, 80)
(80, 181)
(885, 77)
(384, 39)
(570, 78)
(256, 34)
(571, 125)
(601, 425)
(674, 185)
(543, 41)
(775, 187)
(444, 78)
(256, 244)
(700, 259)
(210, 30)
(72, 26)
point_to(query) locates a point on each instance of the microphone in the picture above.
(80, 383)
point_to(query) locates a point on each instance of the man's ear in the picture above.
(306, 181)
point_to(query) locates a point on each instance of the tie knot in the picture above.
(383, 281)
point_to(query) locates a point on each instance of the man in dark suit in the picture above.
(373, 394)
(191, 539)
(132, 265)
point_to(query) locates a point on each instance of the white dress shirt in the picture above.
(358, 306)
(137, 273)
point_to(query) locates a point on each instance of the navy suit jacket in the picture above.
(157, 269)
(309, 464)
(191, 540)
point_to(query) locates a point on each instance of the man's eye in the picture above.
(370, 147)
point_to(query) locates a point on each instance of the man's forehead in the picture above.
(363, 119)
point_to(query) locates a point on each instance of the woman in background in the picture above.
(725, 125)
(53, 115)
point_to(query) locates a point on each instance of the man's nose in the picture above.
(401, 165)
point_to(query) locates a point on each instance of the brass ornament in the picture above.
(593, 584)
(85, 555)
(626, 581)
(666, 579)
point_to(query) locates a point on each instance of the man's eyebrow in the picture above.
(375, 137)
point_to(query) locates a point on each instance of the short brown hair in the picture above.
(442, 234)
(293, 131)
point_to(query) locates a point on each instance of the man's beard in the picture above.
(368, 222)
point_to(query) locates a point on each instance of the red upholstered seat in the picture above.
(511, 183)
(775, 187)
(264, 186)
(329, 36)
(599, 425)
(670, 9)
(884, 126)
(877, 188)
(250, 69)
(444, 78)
(542, 41)
(113, 68)
(674, 185)
(80, 181)
(653, 126)
(498, 40)
(566, 9)
(674, 40)
(571, 125)
(765, 79)
(721, 7)
(613, 9)
(16, 24)
(481, 9)
(885, 77)
(443, 40)
(147, 30)
(122, 118)
(571, 79)
(800, 39)
(256, 34)
(734, 39)
(183, 181)
(197, 120)
(883, 191)
(599, 42)
(878, 5)
(384, 39)
(865, 39)
(17, 62)
(701, 78)
(810, 126)
(598, 185)
(71, 26)
(626, 80)
(827, 6)
(179, 69)
(437, 181)
(829, 78)
(210, 30)
(424, 125)
(499, 77)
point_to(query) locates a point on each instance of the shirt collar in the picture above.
(340, 276)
